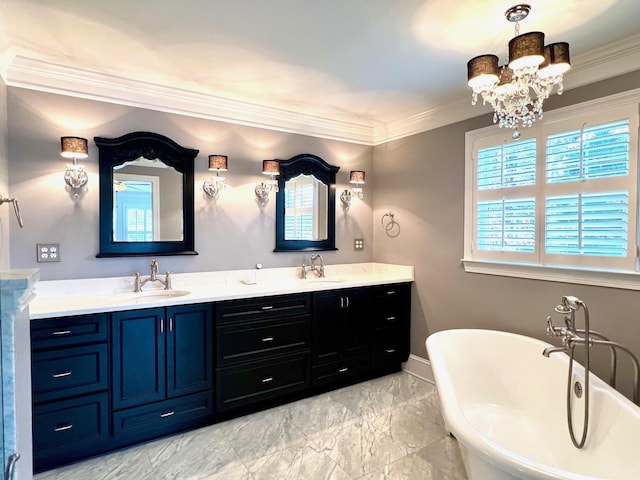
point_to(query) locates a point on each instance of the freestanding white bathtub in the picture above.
(506, 405)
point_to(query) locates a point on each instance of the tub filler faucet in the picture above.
(571, 337)
(139, 282)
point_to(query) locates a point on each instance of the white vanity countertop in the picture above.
(58, 298)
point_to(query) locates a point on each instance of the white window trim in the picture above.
(575, 275)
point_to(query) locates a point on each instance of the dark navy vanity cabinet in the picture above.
(162, 369)
(108, 380)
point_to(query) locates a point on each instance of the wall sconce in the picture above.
(213, 185)
(75, 148)
(263, 189)
(356, 178)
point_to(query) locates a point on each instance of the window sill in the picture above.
(602, 278)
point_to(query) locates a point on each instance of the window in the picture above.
(563, 198)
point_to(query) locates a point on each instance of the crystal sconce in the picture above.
(263, 189)
(214, 185)
(75, 148)
(356, 178)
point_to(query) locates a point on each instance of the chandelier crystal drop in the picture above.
(517, 89)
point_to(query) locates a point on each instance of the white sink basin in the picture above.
(324, 280)
(152, 295)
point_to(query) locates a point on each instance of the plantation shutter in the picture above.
(506, 211)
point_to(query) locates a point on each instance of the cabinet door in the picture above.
(356, 313)
(189, 349)
(138, 357)
(327, 326)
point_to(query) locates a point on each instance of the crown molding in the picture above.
(604, 62)
(49, 77)
(20, 71)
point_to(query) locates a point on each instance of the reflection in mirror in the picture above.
(146, 196)
(305, 208)
(147, 202)
(305, 204)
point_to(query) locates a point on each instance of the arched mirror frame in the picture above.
(306, 164)
(129, 147)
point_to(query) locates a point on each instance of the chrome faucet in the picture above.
(318, 269)
(312, 267)
(139, 282)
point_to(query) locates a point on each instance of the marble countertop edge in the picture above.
(77, 297)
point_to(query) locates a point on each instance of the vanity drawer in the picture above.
(69, 372)
(243, 342)
(390, 346)
(68, 331)
(251, 383)
(339, 371)
(147, 421)
(252, 309)
(70, 429)
(392, 304)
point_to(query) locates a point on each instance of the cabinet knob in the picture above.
(60, 375)
(62, 428)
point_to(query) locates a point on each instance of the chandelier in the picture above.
(517, 89)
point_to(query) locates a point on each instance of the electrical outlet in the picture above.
(358, 243)
(48, 252)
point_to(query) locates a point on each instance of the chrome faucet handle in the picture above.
(554, 331)
(303, 271)
(167, 280)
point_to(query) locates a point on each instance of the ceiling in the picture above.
(358, 70)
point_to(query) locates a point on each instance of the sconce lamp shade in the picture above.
(270, 167)
(218, 162)
(356, 177)
(74, 147)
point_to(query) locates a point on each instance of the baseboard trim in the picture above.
(419, 367)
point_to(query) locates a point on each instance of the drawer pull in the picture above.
(267, 307)
(391, 318)
(267, 380)
(267, 339)
(168, 414)
(60, 375)
(391, 292)
(390, 350)
(61, 332)
(343, 370)
(63, 428)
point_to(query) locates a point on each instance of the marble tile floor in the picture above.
(387, 428)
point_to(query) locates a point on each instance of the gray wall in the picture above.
(234, 233)
(421, 179)
(4, 180)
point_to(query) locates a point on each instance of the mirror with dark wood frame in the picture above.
(306, 204)
(146, 196)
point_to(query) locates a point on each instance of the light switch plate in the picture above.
(358, 243)
(48, 252)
